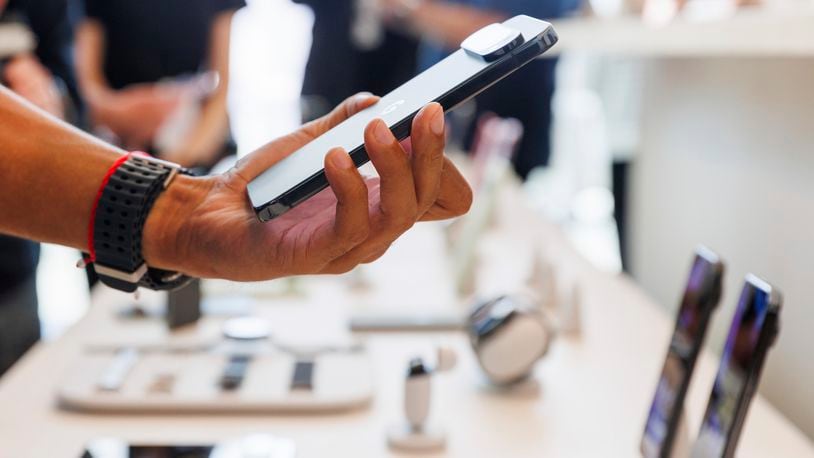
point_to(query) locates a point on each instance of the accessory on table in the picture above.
(234, 372)
(508, 336)
(114, 376)
(415, 435)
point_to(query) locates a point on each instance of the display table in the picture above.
(780, 29)
(595, 386)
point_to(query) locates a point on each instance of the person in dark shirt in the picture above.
(132, 57)
(525, 95)
(45, 78)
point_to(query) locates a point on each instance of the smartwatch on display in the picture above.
(125, 199)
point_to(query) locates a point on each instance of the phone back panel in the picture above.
(450, 82)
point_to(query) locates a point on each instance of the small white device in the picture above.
(508, 337)
(415, 435)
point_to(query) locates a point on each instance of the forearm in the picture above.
(49, 174)
(449, 24)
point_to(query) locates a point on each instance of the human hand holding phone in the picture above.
(352, 222)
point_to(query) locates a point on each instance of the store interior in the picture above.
(653, 137)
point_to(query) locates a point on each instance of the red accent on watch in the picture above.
(121, 160)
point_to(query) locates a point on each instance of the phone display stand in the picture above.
(681, 443)
(177, 381)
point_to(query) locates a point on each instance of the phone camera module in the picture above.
(493, 42)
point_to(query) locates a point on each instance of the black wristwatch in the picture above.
(125, 201)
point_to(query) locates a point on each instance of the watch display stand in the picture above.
(178, 380)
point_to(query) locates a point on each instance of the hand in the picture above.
(32, 81)
(206, 227)
(136, 113)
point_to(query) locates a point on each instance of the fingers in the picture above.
(351, 224)
(454, 197)
(343, 111)
(427, 144)
(397, 208)
(265, 157)
(398, 203)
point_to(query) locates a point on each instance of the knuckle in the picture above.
(344, 268)
(359, 234)
(402, 223)
(466, 201)
(375, 256)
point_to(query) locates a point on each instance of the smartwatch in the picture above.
(123, 204)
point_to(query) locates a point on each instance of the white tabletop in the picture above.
(595, 387)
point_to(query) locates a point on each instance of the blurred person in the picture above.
(44, 77)
(342, 62)
(330, 72)
(146, 65)
(444, 24)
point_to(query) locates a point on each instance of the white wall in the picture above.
(728, 160)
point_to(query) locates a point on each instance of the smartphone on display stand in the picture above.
(485, 58)
(701, 296)
(754, 330)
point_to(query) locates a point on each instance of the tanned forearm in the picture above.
(49, 174)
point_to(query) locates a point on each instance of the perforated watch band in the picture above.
(122, 209)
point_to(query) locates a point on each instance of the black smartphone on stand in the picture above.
(485, 58)
(754, 330)
(701, 296)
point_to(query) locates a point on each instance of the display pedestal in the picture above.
(406, 438)
(528, 388)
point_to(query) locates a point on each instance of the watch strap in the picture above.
(122, 208)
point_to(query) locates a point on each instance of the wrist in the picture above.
(164, 242)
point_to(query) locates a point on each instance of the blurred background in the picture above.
(654, 125)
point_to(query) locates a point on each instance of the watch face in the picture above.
(488, 317)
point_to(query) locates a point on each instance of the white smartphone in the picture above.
(485, 58)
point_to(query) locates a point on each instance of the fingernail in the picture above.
(437, 123)
(341, 160)
(382, 133)
(360, 98)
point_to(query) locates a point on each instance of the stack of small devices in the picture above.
(754, 329)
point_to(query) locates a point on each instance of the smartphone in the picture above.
(485, 58)
(754, 330)
(701, 296)
(252, 446)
